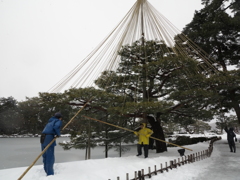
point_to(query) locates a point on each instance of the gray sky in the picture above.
(42, 40)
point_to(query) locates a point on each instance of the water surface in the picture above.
(21, 152)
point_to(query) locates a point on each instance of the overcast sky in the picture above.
(42, 40)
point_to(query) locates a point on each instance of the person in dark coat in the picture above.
(51, 130)
(230, 137)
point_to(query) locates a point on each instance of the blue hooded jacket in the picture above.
(51, 129)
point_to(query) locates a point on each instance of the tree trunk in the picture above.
(106, 144)
(158, 133)
(235, 105)
(237, 110)
(106, 149)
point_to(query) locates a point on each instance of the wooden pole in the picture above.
(134, 131)
(25, 172)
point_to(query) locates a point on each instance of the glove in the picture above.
(148, 135)
(136, 133)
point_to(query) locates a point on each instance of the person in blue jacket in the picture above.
(51, 130)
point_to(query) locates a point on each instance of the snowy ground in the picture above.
(222, 164)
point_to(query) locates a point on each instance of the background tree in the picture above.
(226, 88)
(200, 127)
(224, 121)
(10, 119)
(49, 104)
(29, 109)
(216, 31)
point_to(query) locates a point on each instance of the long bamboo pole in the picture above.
(134, 131)
(46, 148)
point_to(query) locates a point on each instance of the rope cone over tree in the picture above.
(144, 66)
(142, 22)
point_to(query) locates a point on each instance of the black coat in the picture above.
(230, 134)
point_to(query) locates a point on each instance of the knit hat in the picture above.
(58, 115)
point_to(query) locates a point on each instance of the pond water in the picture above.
(21, 152)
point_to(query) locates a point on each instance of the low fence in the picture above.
(141, 175)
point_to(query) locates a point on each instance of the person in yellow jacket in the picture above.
(143, 135)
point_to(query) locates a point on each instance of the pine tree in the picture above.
(10, 119)
(172, 86)
(217, 32)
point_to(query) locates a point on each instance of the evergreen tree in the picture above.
(217, 32)
(157, 84)
(49, 104)
(29, 109)
(10, 119)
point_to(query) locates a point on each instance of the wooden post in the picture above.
(161, 168)
(135, 175)
(139, 175)
(155, 169)
(142, 174)
(188, 159)
(171, 164)
(175, 163)
(149, 172)
(179, 164)
(166, 166)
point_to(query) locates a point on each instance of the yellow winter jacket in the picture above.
(144, 134)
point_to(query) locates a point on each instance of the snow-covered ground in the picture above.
(111, 168)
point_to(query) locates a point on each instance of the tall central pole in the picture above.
(144, 70)
(142, 22)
